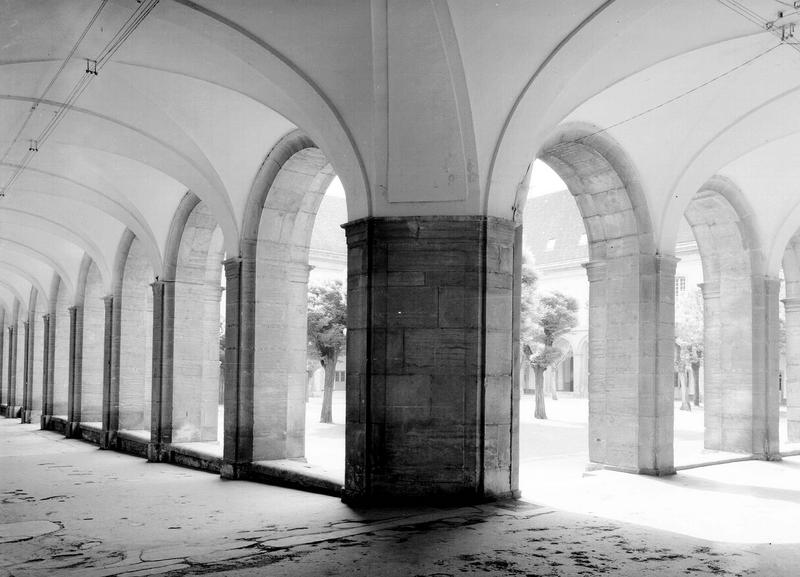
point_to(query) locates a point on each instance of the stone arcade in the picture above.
(203, 145)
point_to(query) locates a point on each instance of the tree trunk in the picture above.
(539, 412)
(554, 383)
(685, 405)
(696, 375)
(526, 377)
(329, 363)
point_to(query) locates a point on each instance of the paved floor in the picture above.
(67, 508)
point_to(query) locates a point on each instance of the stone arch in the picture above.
(791, 307)
(13, 385)
(631, 304)
(59, 325)
(133, 312)
(35, 365)
(93, 311)
(274, 249)
(607, 189)
(194, 266)
(738, 398)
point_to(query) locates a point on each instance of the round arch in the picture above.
(276, 234)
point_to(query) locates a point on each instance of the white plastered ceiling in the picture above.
(201, 91)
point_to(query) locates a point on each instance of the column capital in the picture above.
(667, 263)
(710, 290)
(596, 270)
(791, 304)
(233, 267)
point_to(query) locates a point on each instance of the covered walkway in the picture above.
(62, 514)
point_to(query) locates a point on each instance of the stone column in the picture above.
(12, 408)
(741, 336)
(75, 371)
(238, 368)
(766, 366)
(431, 408)
(631, 340)
(273, 327)
(27, 381)
(51, 362)
(161, 393)
(791, 305)
(47, 383)
(596, 272)
(110, 415)
(3, 359)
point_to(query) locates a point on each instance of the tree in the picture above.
(689, 337)
(544, 319)
(327, 322)
(528, 304)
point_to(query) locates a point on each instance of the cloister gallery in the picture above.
(151, 148)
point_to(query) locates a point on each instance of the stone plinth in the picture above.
(431, 409)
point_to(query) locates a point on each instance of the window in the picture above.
(339, 376)
(680, 284)
(550, 244)
(582, 240)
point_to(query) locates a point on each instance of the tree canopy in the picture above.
(689, 327)
(327, 319)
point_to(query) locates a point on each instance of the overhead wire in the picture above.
(58, 72)
(742, 11)
(130, 25)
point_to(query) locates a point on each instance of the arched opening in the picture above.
(553, 440)
(135, 302)
(59, 323)
(291, 192)
(629, 308)
(738, 391)
(19, 358)
(689, 351)
(195, 363)
(93, 349)
(13, 400)
(36, 356)
(789, 343)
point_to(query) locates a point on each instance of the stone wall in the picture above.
(431, 410)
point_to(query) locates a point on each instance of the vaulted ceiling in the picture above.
(429, 107)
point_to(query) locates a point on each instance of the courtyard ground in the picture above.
(68, 508)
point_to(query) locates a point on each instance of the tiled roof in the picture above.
(554, 219)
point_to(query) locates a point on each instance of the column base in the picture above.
(158, 453)
(73, 430)
(108, 440)
(661, 472)
(235, 471)
(459, 499)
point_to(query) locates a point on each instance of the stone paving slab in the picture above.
(115, 514)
